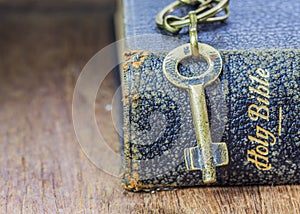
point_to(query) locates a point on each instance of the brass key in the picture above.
(206, 155)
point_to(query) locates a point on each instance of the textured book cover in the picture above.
(253, 107)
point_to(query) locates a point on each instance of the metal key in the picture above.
(206, 155)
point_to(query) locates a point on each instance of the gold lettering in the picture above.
(262, 150)
(254, 112)
(263, 138)
(257, 160)
(264, 101)
(263, 73)
(261, 90)
(254, 139)
(255, 79)
(265, 134)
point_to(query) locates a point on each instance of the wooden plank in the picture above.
(42, 168)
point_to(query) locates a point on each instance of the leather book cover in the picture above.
(253, 107)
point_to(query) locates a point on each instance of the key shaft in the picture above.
(202, 130)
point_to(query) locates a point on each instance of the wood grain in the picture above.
(42, 168)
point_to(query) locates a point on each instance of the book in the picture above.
(253, 107)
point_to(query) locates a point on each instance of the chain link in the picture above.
(206, 11)
(193, 2)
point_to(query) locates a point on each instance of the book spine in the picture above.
(254, 108)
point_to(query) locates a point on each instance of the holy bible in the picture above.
(253, 107)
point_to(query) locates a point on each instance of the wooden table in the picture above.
(43, 169)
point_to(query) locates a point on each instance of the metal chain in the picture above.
(207, 11)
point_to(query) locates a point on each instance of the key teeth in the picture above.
(187, 159)
(193, 158)
(220, 154)
(190, 155)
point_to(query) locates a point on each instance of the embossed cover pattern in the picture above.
(262, 151)
(254, 107)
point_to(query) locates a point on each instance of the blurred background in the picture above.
(28, 6)
(44, 44)
(43, 47)
(33, 23)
